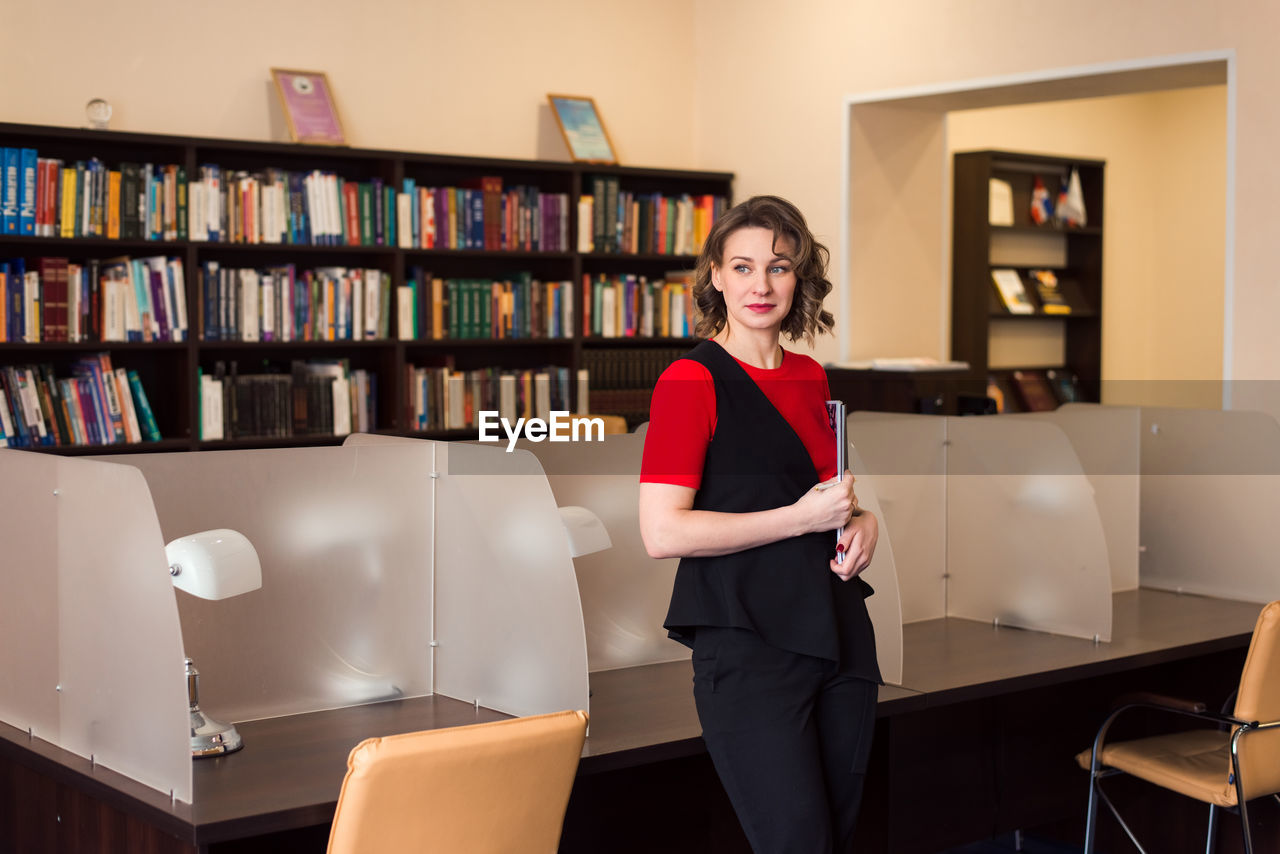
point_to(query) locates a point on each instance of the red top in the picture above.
(682, 416)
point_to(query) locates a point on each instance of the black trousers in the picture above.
(789, 736)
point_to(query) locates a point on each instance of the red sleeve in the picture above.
(682, 419)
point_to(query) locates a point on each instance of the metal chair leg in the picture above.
(1091, 819)
(1213, 829)
(1124, 825)
(1240, 801)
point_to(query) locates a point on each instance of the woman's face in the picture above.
(756, 278)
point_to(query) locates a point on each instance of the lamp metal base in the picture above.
(211, 737)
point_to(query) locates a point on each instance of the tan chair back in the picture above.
(492, 788)
(1259, 700)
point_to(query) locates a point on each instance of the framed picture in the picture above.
(308, 106)
(582, 128)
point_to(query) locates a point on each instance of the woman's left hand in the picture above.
(859, 545)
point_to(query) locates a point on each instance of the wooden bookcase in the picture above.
(170, 371)
(996, 343)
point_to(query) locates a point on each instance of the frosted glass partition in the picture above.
(624, 591)
(1106, 440)
(508, 616)
(885, 607)
(344, 536)
(29, 620)
(1210, 488)
(1025, 544)
(90, 649)
(905, 462)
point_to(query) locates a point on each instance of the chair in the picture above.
(491, 788)
(1224, 767)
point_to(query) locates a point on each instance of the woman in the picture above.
(738, 481)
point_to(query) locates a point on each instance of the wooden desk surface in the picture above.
(291, 769)
(287, 776)
(951, 660)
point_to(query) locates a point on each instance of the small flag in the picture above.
(1071, 202)
(1041, 205)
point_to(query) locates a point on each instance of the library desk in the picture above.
(1006, 711)
(980, 741)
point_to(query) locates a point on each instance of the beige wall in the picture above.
(1165, 220)
(422, 75)
(771, 89)
(898, 209)
(742, 85)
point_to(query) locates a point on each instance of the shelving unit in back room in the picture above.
(1055, 348)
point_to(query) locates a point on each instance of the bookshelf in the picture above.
(1016, 349)
(314, 234)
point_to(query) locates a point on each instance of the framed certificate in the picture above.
(308, 106)
(582, 128)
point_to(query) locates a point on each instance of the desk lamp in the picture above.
(215, 564)
(586, 532)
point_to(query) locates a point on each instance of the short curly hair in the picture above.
(807, 317)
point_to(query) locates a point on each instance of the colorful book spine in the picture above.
(27, 162)
(10, 189)
(147, 419)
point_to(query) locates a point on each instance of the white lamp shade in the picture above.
(214, 564)
(586, 532)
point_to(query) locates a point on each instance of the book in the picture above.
(27, 191)
(10, 189)
(50, 404)
(1012, 292)
(1065, 384)
(147, 420)
(586, 223)
(9, 436)
(1003, 390)
(542, 395)
(99, 371)
(53, 298)
(406, 311)
(995, 393)
(72, 410)
(836, 418)
(338, 371)
(1047, 289)
(16, 305)
(1000, 202)
(32, 307)
(1034, 391)
(584, 391)
(210, 407)
(29, 405)
(176, 293)
(129, 412)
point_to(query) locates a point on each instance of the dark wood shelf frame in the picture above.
(975, 303)
(170, 369)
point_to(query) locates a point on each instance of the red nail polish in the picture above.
(840, 548)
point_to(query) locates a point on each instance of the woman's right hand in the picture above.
(829, 505)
